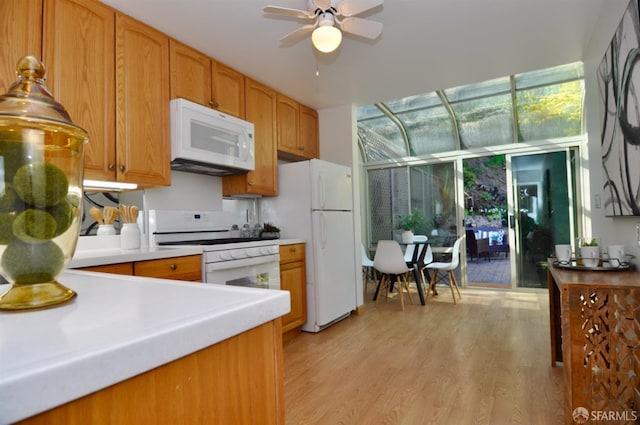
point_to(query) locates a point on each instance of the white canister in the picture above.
(616, 255)
(563, 253)
(106, 229)
(591, 256)
(130, 236)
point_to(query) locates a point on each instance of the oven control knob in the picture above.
(225, 255)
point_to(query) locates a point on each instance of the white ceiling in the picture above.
(425, 44)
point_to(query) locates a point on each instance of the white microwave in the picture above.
(206, 141)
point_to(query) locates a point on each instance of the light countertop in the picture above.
(101, 250)
(117, 327)
(98, 257)
(290, 241)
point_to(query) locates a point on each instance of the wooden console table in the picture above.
(595, 332)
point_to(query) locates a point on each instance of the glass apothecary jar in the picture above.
(41, 172)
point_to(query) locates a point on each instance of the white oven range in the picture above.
(252, 262)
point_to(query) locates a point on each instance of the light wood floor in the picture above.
(483, 361)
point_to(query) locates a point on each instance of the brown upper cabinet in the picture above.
(200, 79)
(288, 115)
(21, 29)
(261, 111)
(309, 134)
(297, 130)
(142, 104)
(99, 65)
(79, 54)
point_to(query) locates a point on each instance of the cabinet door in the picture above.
(21, 29)
(308, 136)
(261, 111)
(228, 90)
(142, 104)
(288, 122)
(79, 52)
(293, 279)
(190, 74)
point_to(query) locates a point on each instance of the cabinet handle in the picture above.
(122, 168)
(112, 166)
(173, 267)
(300, 148)
(214, 103)
(249, 183)
(292, 250)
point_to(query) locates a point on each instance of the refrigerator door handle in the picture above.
(321, 191)
(323, 231)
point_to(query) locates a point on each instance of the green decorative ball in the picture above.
(15, 153)
(63, 215)
(32, 263)
(9, 199)
(34, 226)
(6, 228)
(41, 184)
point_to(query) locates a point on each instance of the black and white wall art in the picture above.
(619, 87)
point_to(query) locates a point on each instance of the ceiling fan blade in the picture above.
(301, 14)
(322, 4)
(297, 34)
(361, 27)
(349, 8)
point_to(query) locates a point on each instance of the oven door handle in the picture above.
(234, 264)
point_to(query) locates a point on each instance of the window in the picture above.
(527, 107)
(530, 107)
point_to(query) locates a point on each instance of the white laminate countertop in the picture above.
(98, 257)
(117, 327)
(98, 251)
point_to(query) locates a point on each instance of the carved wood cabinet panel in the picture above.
(597, 317)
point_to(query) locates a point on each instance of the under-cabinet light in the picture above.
(106, 185)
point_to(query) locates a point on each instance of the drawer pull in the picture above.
(173, 267)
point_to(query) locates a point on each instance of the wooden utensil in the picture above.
(124, 213)
(134, 213)
(96, 214)
(109, 214)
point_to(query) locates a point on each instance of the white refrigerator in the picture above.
(315, 202)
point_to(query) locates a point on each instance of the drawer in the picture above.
(289, 253)
(120, 268)
(179, 268)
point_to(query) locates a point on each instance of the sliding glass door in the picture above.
(544, 202)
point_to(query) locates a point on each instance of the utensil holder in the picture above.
(106, 229)
(130, 236)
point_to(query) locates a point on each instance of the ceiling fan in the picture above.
(328, 18)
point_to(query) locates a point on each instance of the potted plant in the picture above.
(590, 252)
(408, 223)
(270, 231)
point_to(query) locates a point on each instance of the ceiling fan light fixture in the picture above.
(326, 38)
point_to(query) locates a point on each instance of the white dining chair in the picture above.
(448, 267)
(389, 261)
(367, 268)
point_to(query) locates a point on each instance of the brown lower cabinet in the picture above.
(293, 278)
(237, 381)
(188, 268)
(595, 333)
